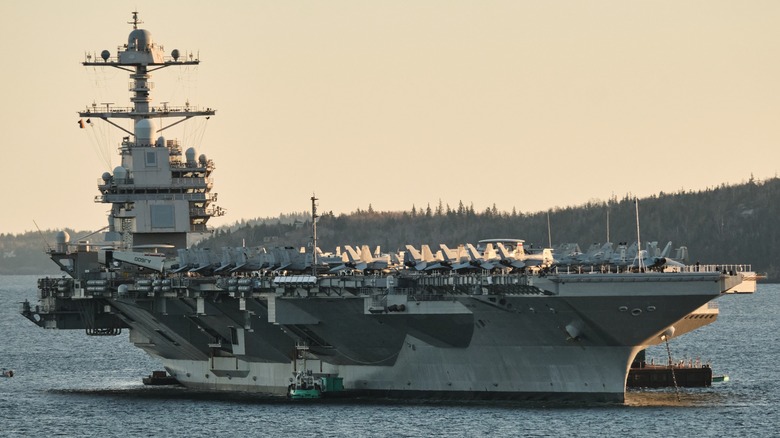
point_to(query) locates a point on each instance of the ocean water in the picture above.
(70, 384)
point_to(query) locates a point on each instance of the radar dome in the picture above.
(61, 240)
(105, 54)
(190, 155)
(175, 54)
(62, 237)
(202, 159)
(160, 142)
(120, 173)
(139, 39)
(106, 176)
(145, 129)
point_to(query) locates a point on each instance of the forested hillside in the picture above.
(26, 253)
(727, 224)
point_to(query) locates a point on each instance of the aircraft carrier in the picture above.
(488, 324)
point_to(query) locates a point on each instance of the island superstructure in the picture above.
(493, 322)
(155, 196)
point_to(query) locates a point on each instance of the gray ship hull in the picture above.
(562, 337)
(422, 371)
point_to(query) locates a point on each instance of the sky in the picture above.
(529, 105)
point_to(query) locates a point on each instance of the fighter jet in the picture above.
(424, 259)
(488, 260)
(363, 260)
(652, 258)
(509, 259)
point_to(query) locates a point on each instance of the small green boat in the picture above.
(304, 385)
(301, 393)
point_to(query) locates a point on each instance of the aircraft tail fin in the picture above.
(547, 257)
(473, 253)
(413, 253)
(352, 255)
(365, 254)
(682, 254)
(667, 250)
(489, 252)
(502, 251)
(447, 252)
(427, 255)
(519, 249)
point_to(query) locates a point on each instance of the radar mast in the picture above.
(314, 217)
(156, 196)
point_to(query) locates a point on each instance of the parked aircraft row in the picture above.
(490, 254)
(569, 254)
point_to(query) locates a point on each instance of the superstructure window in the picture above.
(151, 159)
(162, 216)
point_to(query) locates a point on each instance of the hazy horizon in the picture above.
(522, 104)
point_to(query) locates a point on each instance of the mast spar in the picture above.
(314, 217)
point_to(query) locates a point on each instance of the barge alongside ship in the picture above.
(484, 330)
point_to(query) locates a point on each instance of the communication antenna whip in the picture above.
(638, 240)
(42, 237)
(314, 217)
(549, 233)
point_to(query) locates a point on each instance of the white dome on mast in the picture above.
(120, 174)
(145, 131)
(190, 155)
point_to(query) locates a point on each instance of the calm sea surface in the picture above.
(70, 384)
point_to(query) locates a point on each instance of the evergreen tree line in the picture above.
(25, 254)
(726, 224)
(722, 225)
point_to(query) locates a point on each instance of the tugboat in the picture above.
(305, 384)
